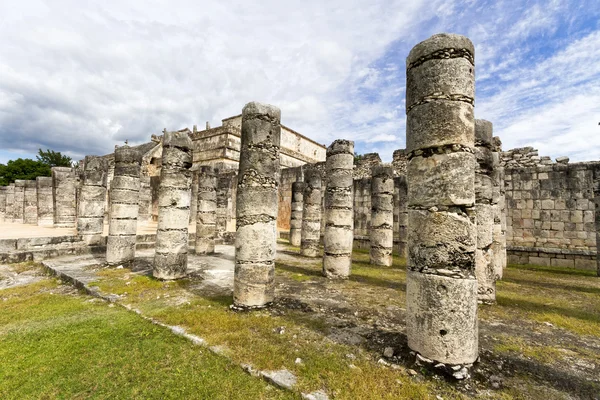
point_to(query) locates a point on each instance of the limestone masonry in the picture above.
(441, 289)
(256, 211)
(174, 199)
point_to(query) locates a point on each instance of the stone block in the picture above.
(442, 179)
(434, 327)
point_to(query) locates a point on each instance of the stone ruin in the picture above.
(453, 203)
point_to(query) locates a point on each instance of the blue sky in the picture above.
(81, 78)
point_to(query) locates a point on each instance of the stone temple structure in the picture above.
(452, 203)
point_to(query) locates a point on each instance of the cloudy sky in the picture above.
(81, 78)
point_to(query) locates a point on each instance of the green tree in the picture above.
(54, 158)
(22, 169)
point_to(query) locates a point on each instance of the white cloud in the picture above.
(80, 77)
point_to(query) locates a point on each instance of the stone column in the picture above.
(256, 206)
(174, 199)
(45, 202)
(596, 177)
(382, 215)
(499, 207)
(400, 190)
(441, 286)
(194, 199)
(296, 217)
(206, 218)
(10, 203)
(64, 187)
(145, 202)
(339, 210)
(2, 203)
(123, 198)
(90, 220)
(19, 202)
(311, 214)
(484, 260)
(30, 203)
(223, 194)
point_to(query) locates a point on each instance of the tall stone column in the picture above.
(123, 198)
(19, 203)
(596, 177)
(382, 215)
(174, 199)
(45, 202)
(311, 214)
(90, 220)
(10, 203)
(64, 187)
(441, 321)
(339, 210)
(2, 203)
(485, 270)
(145, 202)
(206, 218)
(256, 206)
(30, 203)
(401, 191)
(296, 217)
(499, 207)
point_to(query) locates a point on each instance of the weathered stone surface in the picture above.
(19, 202)
(401, 213)
(174, 200)
(440, 124)
(311, 214)
(485, 206)
(206, 218)
(124, 205)
(10, 202)
(339, 234)
(382, 215)
(443, 317)
(2, 203)
(296, 215)
(30, 203)
(441, 180)
(256, 206)
(485, 225)
(92, 196)
(451, 76)
(442, 237)
(45, 202)
(64, 187)
(443, 241)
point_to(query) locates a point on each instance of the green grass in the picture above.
(566, 298)
(69, 346)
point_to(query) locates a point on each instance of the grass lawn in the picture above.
(58, 343)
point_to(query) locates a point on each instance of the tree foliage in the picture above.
(54, 158)
(22, 168)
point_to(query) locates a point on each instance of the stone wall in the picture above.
(550, 210)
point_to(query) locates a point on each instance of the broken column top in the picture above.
(44, 180)
(382, 171)
(177, 139)
(446, 42)
(95, 162)
(340, 146)
(262, 109)
(126, 154)
(484, 133)
(312, 177)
